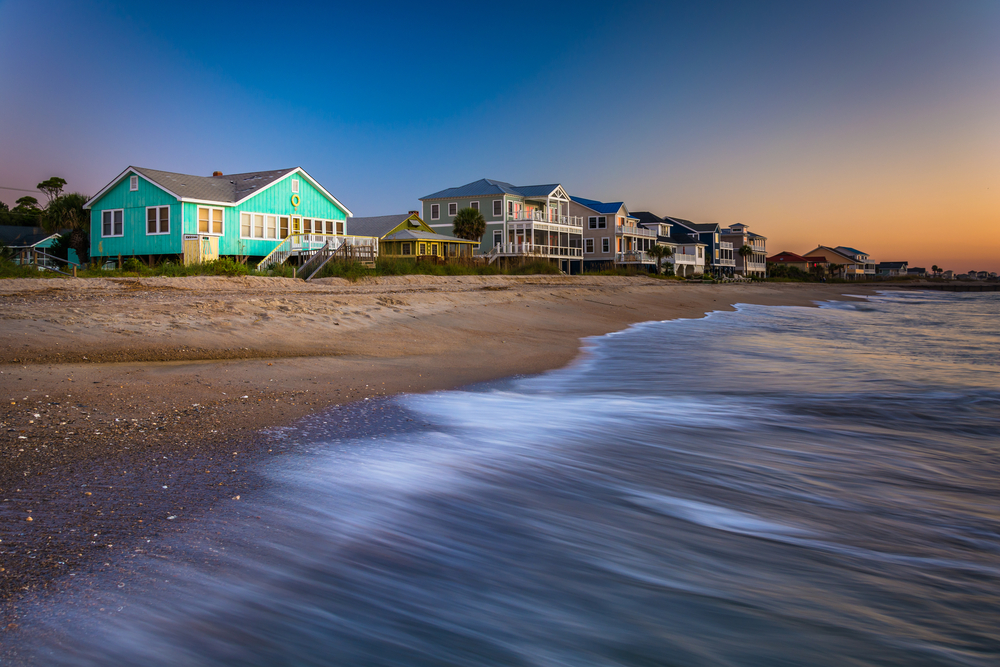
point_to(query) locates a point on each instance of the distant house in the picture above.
(864, 262)
(611, 236)
(805, 264)
(917, 271)
(406, 235)
(521, 220)
(754, 264)
(22, 242)
(840, 263)
(154, 214)
(891, 269)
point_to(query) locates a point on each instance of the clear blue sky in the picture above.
(850, 123)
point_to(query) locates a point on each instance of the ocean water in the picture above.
(772, 486)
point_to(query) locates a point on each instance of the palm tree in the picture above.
(659, 252)
(834, 268)
(67, 213)
(469, 224)
(745, 251)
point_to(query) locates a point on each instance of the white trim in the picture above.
(158, 221)
(295, 186)
(118, 179)
(224, 204)
(495, 202)
(605, 241)
(450, 204)
(312, 181)
(133, 183)
(112, 235)
(592, 246)
(438, 215)
(197, 221)
(474, 204)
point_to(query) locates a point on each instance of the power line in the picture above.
(2, 187)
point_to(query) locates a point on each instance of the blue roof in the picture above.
(599, 206)
(486, 186)
(850, 250)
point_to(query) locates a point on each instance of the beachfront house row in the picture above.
(406, 236)
(157, 215)
(720, 254)
(522, 221)
(612, 237)
(755, 263)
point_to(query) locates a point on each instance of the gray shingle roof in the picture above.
(646, 218)
(13, 236)
(229, 188)
(379, 225)
(485, 187)
(409, 234)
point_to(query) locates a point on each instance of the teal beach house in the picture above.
(160, 215)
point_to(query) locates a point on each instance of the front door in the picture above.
(296, 233)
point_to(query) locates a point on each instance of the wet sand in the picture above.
(127, 402)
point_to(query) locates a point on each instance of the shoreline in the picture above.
(169, 425)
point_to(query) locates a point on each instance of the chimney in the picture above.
(414, 212)
(216, 173)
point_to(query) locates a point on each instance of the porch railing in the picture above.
(538, 249)
(542, 216)
(634, 257)
(306, 244)
(632, 230)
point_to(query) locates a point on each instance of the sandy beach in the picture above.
(116, 389)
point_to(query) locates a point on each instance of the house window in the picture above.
(497, 236)
(434, 248)
(497, 208)
(510, 208)
(157, 220)
(435, 211)
(423, 249)
(407, 249)
(605, 245)
(602, 222)
(295, 186)
(453, 208)
(340, 228)
(113, 222)
(270, 226)
(210, 221)
(283, 227)
(474, 205)
(133, 183)
(588, 245)
(592, 222)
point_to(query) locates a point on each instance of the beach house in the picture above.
(160, 215)
(891, 269)
(850, 266)
(613, 237)
(33, 245)
(754, 264)
(522, 221)
(720, 254)
(405, 235)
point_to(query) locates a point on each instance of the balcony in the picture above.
(542, 216)
(685, 258)
(632, 230)
(537, 250)
(634, 257)
(724, 262)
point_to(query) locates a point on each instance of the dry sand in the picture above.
(120, 384)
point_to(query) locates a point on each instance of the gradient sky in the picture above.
(870, 124)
